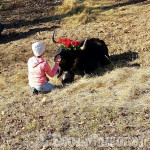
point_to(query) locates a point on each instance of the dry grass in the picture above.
(116, 103)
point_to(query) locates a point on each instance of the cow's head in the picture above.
(69, 60)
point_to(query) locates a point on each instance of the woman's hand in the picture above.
(57, 59)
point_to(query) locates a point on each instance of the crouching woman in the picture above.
(38, 69)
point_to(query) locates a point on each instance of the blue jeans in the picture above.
(47, 87)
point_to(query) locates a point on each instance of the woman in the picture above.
(38, 69)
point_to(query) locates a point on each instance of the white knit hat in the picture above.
(38, 48)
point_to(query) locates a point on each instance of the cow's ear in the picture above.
(84, 45)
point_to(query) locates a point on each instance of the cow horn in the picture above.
(53, 39)
(84, 45)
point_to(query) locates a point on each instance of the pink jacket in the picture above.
(37, 70)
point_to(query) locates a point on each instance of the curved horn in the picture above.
(84, 45)
(53, 39)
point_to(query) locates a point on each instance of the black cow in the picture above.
(85, 60)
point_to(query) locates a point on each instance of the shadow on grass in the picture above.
(21, 23)
(123, 60)
(21, 35)
(119, 61)
(79, 9)
(130, 2)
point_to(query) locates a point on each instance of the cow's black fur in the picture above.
(1, 28)
(83, 61)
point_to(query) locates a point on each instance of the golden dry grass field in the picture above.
(112, 103)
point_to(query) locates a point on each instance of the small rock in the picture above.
(81, 123)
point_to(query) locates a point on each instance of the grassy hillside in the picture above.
(112, 103)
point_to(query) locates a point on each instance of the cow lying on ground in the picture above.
(84, 60)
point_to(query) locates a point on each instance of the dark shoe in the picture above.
(35, 91)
